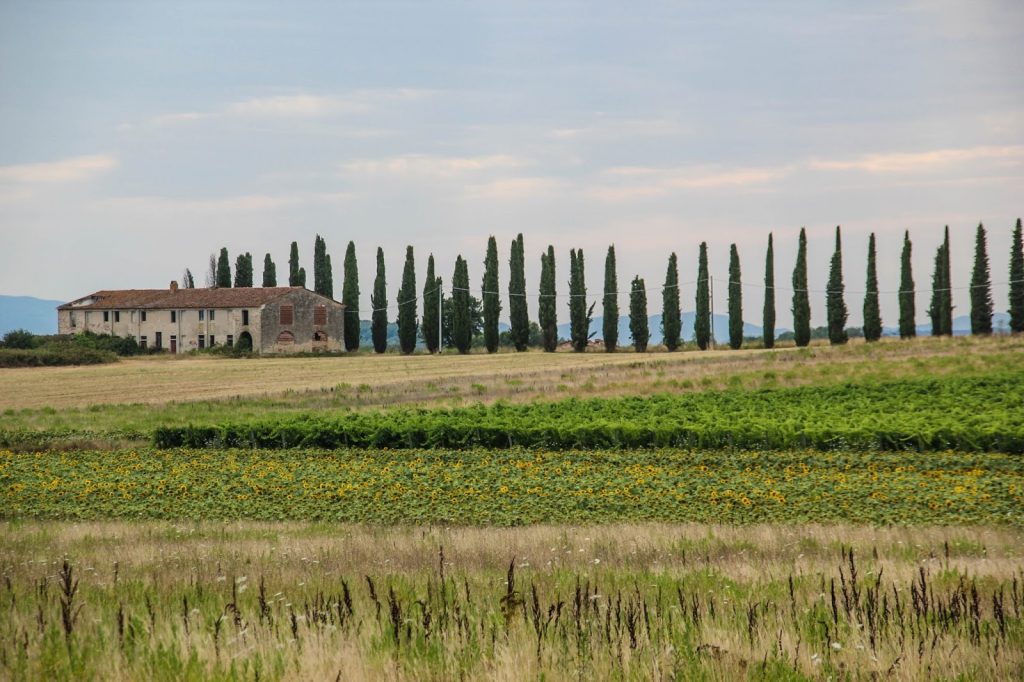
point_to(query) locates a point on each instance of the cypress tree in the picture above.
(981, 287)
(211, 272)
(379, 302)
(407, 305)
(735, 300)
(188, 282)
(243, 270)
(302, 277)
(223, 270)
(702, 322)
(947, 294)
(293, 268)
(518, 315)
(834, 303)
(671, 322)
(908, 311)
(328, 277)
(462, 331)
(638, 327)
(547, 313)
(935, 309)
(323, 277)
(611, 302)
(350, 298)
(579, 313)
(1017, 281)
(490, 296)
(769, 295)
(269, 272)
(431, 298)
(872, 314)
(801, 297)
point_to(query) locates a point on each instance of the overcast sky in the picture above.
(136, 138)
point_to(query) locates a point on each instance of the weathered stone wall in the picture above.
(302, 328)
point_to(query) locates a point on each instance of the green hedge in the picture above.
(976, 414)
(53, 355)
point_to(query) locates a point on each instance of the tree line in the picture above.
(462, 320)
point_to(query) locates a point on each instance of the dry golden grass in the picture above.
(367, 380)
(181, 601)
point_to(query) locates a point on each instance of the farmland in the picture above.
(265, 601)
(788, 514)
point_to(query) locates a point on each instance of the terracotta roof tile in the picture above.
(182, 298)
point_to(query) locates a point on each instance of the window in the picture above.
(117, 316)
(212, 342)
(74, 322)
(231, 340)
(320, 315)
(201, 314)
(211, 315)
(106, 316)
(245, 318)
(202, 339)
(174, 316)
(143, 315)
(159, 340)
(287, 314)
(143, 341)
(286, 337)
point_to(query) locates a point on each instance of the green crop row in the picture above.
(970, 414)
(511, 487)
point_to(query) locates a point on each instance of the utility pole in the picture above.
(440, 320)
(711, 295)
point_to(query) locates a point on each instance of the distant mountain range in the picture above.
(39, 316)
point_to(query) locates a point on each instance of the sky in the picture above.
(136, 138)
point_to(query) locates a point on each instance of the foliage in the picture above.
(269, 272)
(941, 310)
(379, 303)
(974, 414)
(20, 338)
(671, 320)
(461, 326)
(872, 315)
(801, 296)
(908, 312)
(407, 305)
(54, 355)
(350, 297)
(702, 321)
(491, 297)
(735, 300)
(981, 287)
(187, 280)
(504, 487)
(547, 311)
(638, 315)
(610, 322)
(431, 302)
(768, 323)
(517, 302)
(294, 277)
(323, 275)
(580, 314)
(243, 270)
(1016, 309)
(223, 270)
(834, 303)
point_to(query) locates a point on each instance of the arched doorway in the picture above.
(319, 340)
(245, 342)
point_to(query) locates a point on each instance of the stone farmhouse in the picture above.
(268, 320)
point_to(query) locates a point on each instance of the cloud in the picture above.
(937, 159)
(622, 183)
(514, 188)
(431, 166)
(73, 169)
(243, 203)
(295, 105)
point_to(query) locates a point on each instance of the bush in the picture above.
(52, 355)
(20, 338)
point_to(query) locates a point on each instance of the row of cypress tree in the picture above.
(458, 326)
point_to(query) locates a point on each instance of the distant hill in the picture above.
(720, 324)
(37, 315)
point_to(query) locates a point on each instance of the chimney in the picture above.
(174, 286)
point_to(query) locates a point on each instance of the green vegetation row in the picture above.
(972, 414)
(513, 487)
(20, 348)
